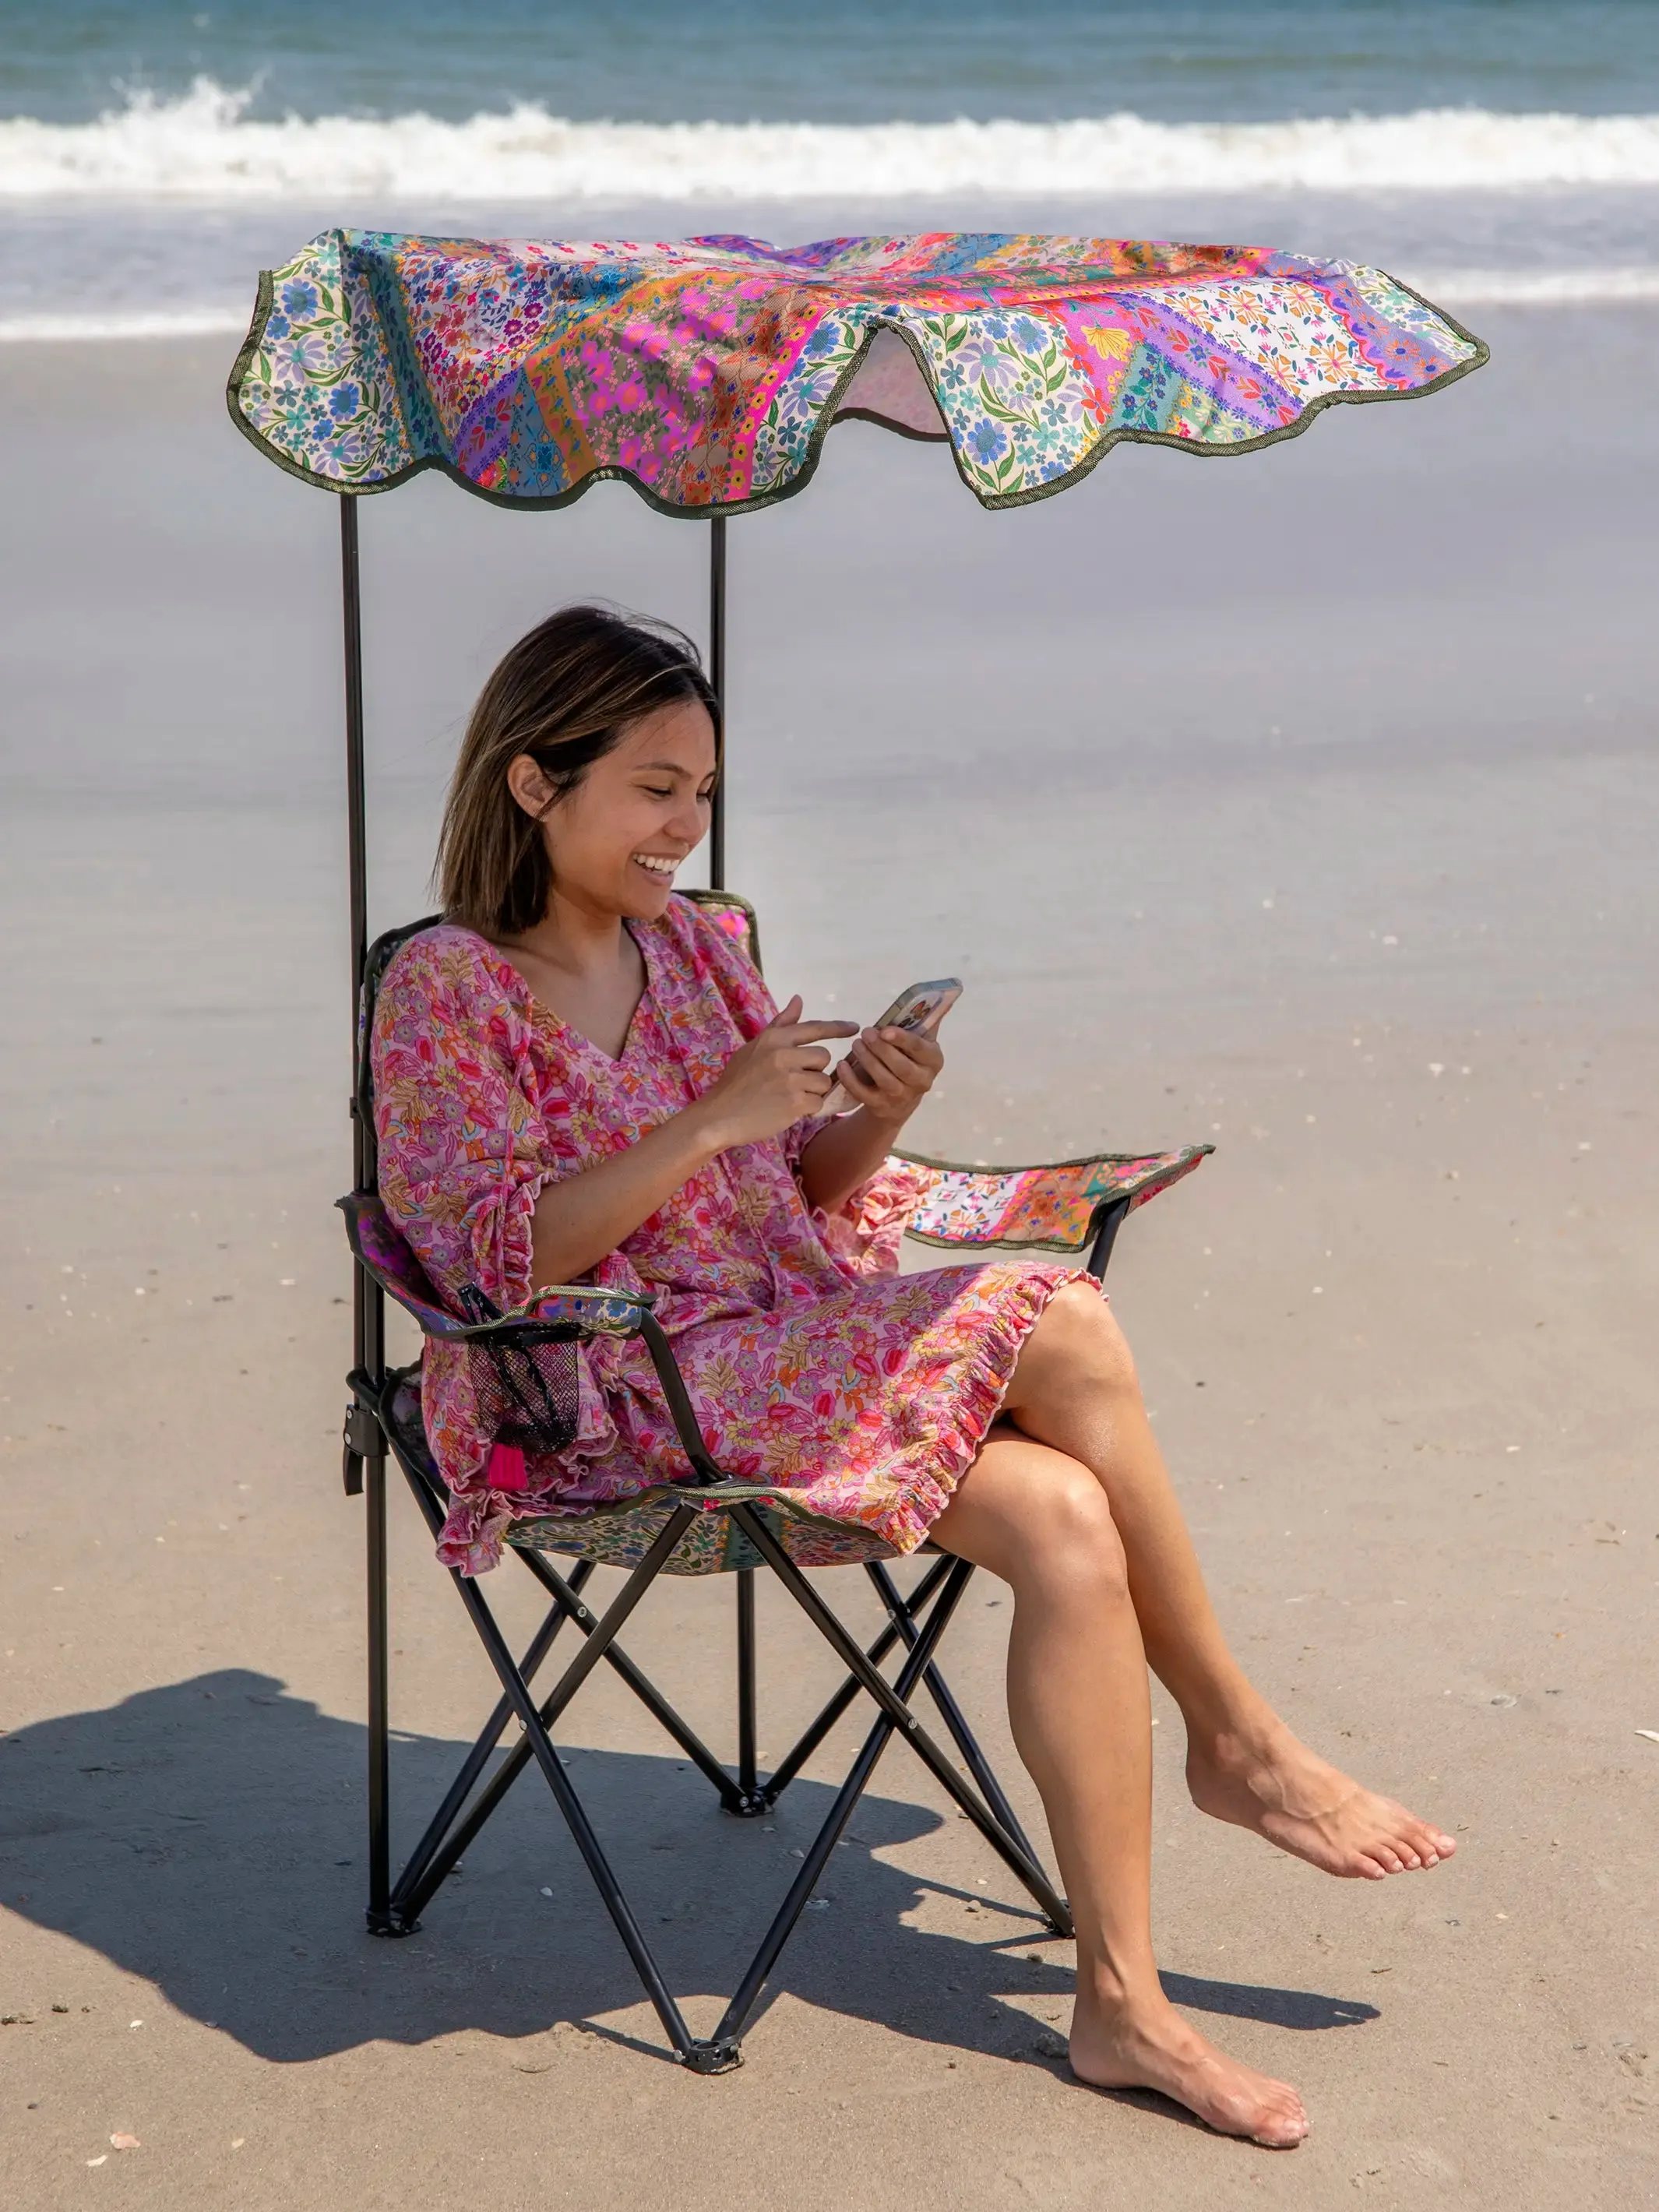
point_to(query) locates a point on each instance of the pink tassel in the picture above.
(504, 1469)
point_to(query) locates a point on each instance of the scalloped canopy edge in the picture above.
(707, 374)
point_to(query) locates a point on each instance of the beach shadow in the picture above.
(208, 1836)
(1278, 2008)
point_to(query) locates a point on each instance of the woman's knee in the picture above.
(1038, 1519)
(1070, 1541)
(1079, 1331)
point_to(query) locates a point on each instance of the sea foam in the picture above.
(204, 146)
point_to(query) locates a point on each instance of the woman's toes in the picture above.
(1272, 2113)
(1285, 2123)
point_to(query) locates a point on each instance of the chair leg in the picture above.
(565, 1594)
(379, 1916)
(600, 1636)
(752, 1801)
(442, 1844)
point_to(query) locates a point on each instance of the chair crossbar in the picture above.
(748, 1991)
(567, 1599)
(733, 1798)
(449, 1834)
(704, 2056)
(950, 1712)
(802, 1750)
(473, 1765)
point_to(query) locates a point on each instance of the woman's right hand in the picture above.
(778, 1077)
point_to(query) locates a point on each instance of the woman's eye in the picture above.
(657, 790)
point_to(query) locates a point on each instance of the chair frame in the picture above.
(378, 1428)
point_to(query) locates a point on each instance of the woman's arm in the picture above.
(773, 1080)
(890, 1078)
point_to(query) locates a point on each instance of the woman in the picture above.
(579, 1076)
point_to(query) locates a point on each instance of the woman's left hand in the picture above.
(889, 1073)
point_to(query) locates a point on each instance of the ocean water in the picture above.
(153, 157)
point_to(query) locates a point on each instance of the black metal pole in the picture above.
(1110, 1222)
(747, 1777)
(717, 678)
(910, 1729)
(368, 1300)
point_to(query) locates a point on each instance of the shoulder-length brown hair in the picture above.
(564, 695)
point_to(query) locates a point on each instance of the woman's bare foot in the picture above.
(1284, 1791)
(1148, 2045)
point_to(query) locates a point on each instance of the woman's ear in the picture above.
(528, 785)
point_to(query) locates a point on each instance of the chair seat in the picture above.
(620, 1534)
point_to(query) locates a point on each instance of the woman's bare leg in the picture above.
(1078, 1701)
(1075, 1389)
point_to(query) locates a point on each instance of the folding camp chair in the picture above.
(690, 1522)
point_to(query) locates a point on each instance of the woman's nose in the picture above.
(688, 824)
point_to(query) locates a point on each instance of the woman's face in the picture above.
(616, 842)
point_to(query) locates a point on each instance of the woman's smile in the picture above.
(656, 864)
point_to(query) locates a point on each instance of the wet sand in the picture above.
(1306, 805)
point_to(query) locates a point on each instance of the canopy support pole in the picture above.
(717, 679)
(365, 1440)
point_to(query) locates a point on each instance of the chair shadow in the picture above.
(208, 1836)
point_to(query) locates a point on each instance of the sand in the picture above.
(1304, 804)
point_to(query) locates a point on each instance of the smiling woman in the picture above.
(579, 1075)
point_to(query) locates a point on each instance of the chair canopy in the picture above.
(706, 372)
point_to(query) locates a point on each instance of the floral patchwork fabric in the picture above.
(706, 370)
(815, 1368)
(1056, 1207)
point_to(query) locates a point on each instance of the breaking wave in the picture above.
(204, 146)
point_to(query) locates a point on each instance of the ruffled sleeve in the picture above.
(465, 1150)
(867, 1229)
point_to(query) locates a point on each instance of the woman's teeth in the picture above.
(655, 864)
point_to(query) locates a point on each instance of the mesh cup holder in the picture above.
(526, 1383)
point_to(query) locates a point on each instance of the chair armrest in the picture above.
(568, 1308)
(1057, 1208)
(559, 1314)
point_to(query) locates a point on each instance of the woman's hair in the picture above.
(564, 695)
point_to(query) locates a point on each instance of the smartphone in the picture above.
(918, 1010)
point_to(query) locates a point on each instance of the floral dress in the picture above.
(814, 1366)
